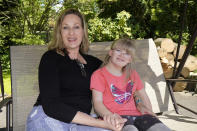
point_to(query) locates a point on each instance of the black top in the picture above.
(63, 89)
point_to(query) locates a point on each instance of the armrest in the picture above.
(182, 80)
(5, 101)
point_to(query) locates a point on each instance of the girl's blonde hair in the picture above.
(57, 41)
(128, 45)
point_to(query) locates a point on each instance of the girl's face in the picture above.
(72, 32)
(120, 57)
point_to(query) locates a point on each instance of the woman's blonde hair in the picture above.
(128, 45)
(57, 41)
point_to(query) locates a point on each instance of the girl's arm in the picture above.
(141, 94)
(111, 118)
(99, 107)
(143, 102)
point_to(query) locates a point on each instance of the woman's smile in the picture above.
(72, 32)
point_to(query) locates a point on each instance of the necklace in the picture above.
(82, 67)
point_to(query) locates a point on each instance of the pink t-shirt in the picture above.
(117, 93)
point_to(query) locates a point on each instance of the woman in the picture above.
(64, 101)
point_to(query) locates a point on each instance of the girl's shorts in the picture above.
(142, 122)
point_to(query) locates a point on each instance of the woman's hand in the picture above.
(115, 120)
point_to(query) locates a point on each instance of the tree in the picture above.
(139, 20)
(88, 7)
(29, 22)
(101, 29)
(24, 22)
(6, 21)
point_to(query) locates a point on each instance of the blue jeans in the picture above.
(39, 121)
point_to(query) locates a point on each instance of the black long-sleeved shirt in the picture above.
(63, 89)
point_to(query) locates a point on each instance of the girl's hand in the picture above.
(115, 120)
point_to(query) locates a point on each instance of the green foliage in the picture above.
(24, 22)
(108, 30)
(30, 21)
(7, 84)
(136, 8)
(88, 7)
(175, 37)
(155, 18)
(6, 14)
(30, 39)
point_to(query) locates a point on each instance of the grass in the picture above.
(7, 84)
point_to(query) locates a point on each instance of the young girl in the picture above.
(113, 87)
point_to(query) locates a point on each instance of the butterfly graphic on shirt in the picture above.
(122, 97)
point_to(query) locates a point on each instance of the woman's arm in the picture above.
(111, 118)
(84, 119)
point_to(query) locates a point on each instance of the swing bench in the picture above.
(24, 77)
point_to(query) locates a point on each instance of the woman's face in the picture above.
(72, 32)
